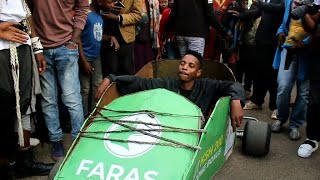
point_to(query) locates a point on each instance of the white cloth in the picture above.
(12, 11)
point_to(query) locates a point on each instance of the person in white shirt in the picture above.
(15, 89)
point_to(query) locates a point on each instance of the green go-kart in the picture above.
(158, 134)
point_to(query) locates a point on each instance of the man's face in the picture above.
(189, 68)
(106, 5)
(163, 4)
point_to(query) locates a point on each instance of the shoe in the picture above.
(57, 151)
(276, 126)
(252, 106)
(274, 115)
(248, 95)
(307, 148)
(34, 142)
(294, 134)
(26, 166)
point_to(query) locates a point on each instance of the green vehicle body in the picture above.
(100, 155)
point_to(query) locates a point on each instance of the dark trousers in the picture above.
(143, 54)
(264, 76)
(119, 62)
(313, 115)
(8, 137)
(246, 59)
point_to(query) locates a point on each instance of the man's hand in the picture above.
(114, 42)
(298, 44)
(110, 16)
(86, 67)
(281, 39)
(102, 87)
(236, 114)
(41, 61)
(10, 33)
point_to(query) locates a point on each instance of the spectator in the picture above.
(60, 32)
(89, 53)
(15, 90)
(121, 24)
(311, 144)
(291, 60)
(147, 44)
(191, 20)
(264, 76)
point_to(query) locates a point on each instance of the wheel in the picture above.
(54, 169)
(256, 138)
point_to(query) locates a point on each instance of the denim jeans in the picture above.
(89, 85)
(62, 69)
(286, 80)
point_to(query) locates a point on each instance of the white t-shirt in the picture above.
(12, 11)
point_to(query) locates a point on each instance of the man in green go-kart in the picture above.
(204, 92)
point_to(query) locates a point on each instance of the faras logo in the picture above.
(130, 149)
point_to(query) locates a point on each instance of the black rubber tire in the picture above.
(256, 138)
(54, 169)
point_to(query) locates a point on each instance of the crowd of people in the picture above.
(72, 49)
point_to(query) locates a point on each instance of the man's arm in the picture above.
(310, 22)
(134, 16)
(274, 8)
(211, 16)
(80, 16)
(237, 93)
(127, 84)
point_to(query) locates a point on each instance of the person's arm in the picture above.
(134, 16)
(252, 13)
(36, 44)
(127, 84)
(271, 7)
(212, 18)
(310, 22)
(79, 21)
(237, 93)
(9, 32)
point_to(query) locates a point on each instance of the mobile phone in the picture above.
(119, 4)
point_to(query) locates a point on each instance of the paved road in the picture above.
(282, 162)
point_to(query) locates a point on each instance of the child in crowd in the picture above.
(89, 53)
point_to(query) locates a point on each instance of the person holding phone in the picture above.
(120, 23)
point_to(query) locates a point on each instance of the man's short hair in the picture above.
(197, 55)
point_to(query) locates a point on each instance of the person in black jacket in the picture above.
(203, 92)
(190, 20)
(264, 76)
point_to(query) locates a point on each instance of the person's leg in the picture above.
(286, 79)
(85, 90)
(126, 60)
(111, 61)
(182, 45)
(96, 79)
(195, 44)
(68, 76)
(49, 99)
(313, 121)
(299, 111)
(171, 50)
(7, 113)
(272, 88)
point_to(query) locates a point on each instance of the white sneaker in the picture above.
(274, 115)
(34, 142)
(307, 148)
(251, 106)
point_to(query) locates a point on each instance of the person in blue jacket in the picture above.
(291, 59)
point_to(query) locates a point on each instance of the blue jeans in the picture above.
(286, 80)
(62, 69)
